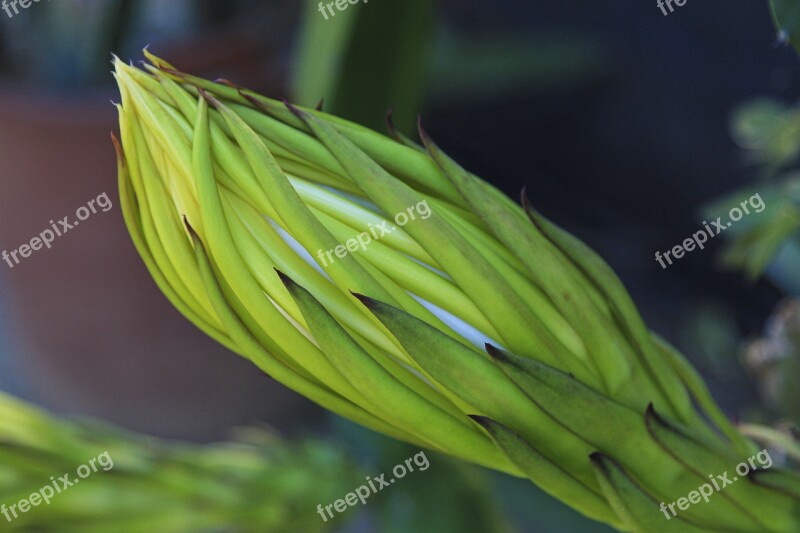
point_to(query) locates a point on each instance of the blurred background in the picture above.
(628, 127)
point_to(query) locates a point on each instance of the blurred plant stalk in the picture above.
(258, 483)
(485, 331)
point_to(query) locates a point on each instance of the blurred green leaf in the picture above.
(786, 14)
(755, 240)
(365, 60)
(447, 497)
(256, 482)
(769, 131)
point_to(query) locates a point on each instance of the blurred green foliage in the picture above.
(257, 483)
(365, 60)
(786, 14)
(769, 134)
(396, 55)
(448, 497)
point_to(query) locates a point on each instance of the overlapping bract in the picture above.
(229, 196)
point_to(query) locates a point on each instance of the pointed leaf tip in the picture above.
(117, 145)
(368, 302)
(651, 416)
(494, 352)
(423, 135)
(296, 111)
(601, 462)
(390, 122)
(228, 83)
(190, 229)
(213, 102)
(484, 421)
(286, 280)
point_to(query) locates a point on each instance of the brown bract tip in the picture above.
(117, 145)
(294, 109)
(423, 135)
(213, 102)
(190, 229)
(258, 104)
(320, 104)
(172, 71)
(227, 83)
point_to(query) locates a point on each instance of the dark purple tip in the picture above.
(368, 302)
(599, 459)
(286, 280)
(497, 354)
(295, 110)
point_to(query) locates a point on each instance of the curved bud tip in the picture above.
(651, 414)
(390, 122)
(600, 461)
(652, 417)
(423, 135)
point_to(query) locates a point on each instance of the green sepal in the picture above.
(469, 374)
(549, 476)
(639, 512)
(744, 495)
(389, 397)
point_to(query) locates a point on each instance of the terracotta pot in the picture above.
(94, 335)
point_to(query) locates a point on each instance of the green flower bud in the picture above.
(386, 283)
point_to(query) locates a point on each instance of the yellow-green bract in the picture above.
(482, 331)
